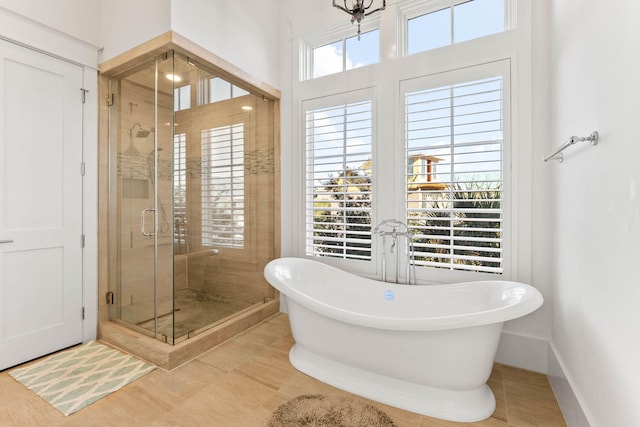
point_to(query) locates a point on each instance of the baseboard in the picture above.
(566, 397)
(522, 351)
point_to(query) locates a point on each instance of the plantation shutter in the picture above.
(223, 186)
(180, 191)
(454, 177)
(338, 186)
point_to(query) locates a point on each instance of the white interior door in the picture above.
(40, 204)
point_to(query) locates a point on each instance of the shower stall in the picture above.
(191, 214)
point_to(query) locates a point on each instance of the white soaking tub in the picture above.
(426, 349)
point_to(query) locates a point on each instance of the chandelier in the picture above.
(358, 10)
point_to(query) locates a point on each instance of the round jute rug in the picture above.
(328, 411)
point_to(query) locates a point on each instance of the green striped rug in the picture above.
(73, 379)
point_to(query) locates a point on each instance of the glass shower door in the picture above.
(161, 169)
(141, 208)
(191, 187)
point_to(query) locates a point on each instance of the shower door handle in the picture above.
(142, 222)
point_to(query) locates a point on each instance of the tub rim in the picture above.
(530, 301)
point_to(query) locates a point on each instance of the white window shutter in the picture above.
(338, 186)
(223, 186)
(454, 177)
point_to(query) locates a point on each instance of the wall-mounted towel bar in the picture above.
(557, 155)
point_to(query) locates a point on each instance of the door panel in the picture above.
(40, 204)
(33, 143)
(45, 302)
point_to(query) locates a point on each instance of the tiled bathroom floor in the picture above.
(242, 381)
(194, 310)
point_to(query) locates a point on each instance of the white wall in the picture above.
(125, 24)
(594, 74)
(245, 33)
(541, 225)
(292, 15)
(77, 18)
(69, 30)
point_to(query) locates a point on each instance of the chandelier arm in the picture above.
(344, 9)
(384, 5)
(359, 10)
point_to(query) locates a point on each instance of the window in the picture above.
(454, 138)
(346, 54)
(339, 192)
(220, 90)
(223, 186)
(180, 191)
(447, 153)
(429, 31)
(452, 24)
(182, 98)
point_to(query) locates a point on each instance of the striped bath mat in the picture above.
(74, 379)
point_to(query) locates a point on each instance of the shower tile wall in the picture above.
(233, 272)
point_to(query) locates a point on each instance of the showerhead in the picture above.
(141, 133)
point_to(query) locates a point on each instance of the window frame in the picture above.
(365, 267)
(514, 45)
(453, 77)
(182, 97)
(336, 33)
(417, 8)
(210, 96)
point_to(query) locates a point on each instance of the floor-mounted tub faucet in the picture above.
(393, 228)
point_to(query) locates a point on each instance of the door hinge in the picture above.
(84, 94)
(82, 313)
(82, 168)
(82, 241)
(111, 99)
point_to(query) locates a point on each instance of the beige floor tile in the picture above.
(182, 382)
(183, 417)
(497, 387)
(231, 355)
(489, 422)
(241, 382)
(400, 417)
(268, 374)
(274, 402)
(21, 411)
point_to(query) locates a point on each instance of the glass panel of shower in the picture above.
(191, 198)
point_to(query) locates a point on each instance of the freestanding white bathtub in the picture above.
(426, 349)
